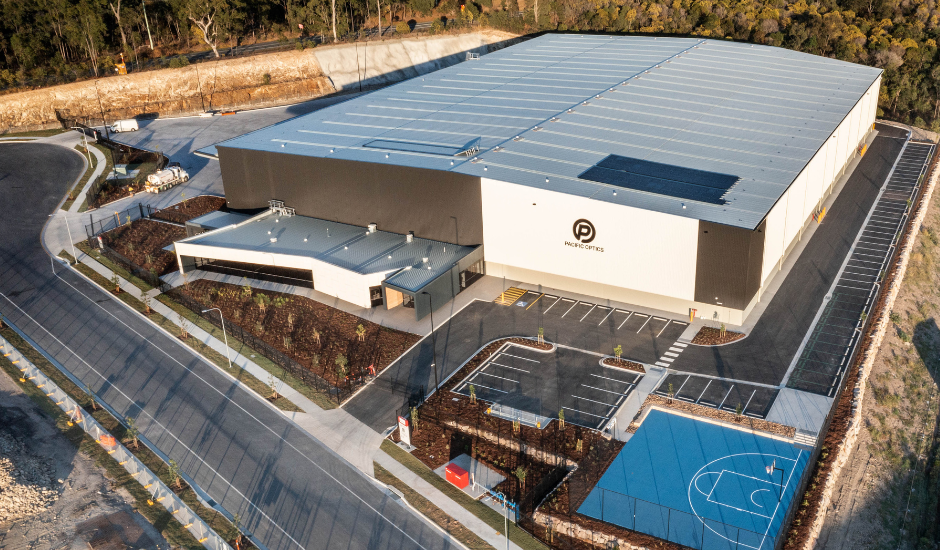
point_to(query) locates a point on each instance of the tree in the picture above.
(561, 419)
(262, 301)
(116, 281)
(204, 15)
(132, 431)
(175, 477)
(521, 473)
(618, 351)
(272, 383)
(361, 332)
(316, 336)
(341, 362)
(117, 17)
(473, 394)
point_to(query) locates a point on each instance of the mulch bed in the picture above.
(709, 336)
(190, 208)
(111, 193)
(710, 412)
(624, 364)
(290, 327)
(142, 241)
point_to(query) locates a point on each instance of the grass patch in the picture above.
(113, 266)
(432, 512)
(171, 529)
(73, 194)
(492, 518)
(210, 354)
(321, 399)
(37, 133)
(109, 166)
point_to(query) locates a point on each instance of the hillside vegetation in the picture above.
(49, 41)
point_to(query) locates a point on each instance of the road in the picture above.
(289, 490)
(763, 357)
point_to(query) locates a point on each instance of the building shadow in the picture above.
(926, 340)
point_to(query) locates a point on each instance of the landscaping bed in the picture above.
(311, 333)
(624, 364)
(142, 241)
(710, 336)
(188, 209)
(710, 412)
(450, 424)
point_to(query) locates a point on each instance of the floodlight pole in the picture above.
(775, 468)
(224, 335)
(433, 341)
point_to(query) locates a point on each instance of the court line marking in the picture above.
(754, 493)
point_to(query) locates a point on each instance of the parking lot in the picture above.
(544, 383)
(725, 395)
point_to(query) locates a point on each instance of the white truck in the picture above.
(129, 125)
(164, 179)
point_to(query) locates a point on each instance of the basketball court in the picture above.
(699, 484)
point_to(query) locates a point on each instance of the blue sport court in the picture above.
(699, 484)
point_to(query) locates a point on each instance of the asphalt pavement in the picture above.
(288, 489)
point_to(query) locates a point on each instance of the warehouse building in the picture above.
(672, 173)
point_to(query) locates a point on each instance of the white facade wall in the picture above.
(327, 278)
(640, 250)
(787, 218)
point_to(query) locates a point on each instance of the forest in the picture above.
(43, 42)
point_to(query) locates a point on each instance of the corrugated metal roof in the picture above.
(756, 112)
(349, 247)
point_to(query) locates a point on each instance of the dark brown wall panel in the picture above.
(435, 205)
(728, 266)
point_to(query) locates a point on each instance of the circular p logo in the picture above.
(584, 231)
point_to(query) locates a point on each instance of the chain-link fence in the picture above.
(158, 491)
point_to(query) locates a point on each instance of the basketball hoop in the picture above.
(770, 467)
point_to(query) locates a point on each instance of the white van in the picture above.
(129, 125)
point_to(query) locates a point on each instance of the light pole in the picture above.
(770, 471)
(433, 341)
(224, 335)
(502, 497)
(71, 243)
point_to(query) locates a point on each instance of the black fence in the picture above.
(148, 276)
(115, 220)
(120, 153)
(287, 363)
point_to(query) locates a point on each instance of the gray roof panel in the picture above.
(756, 112)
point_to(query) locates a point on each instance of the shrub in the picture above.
(423, 7)
(402, 28)
(265, 79)
(179, 62)
(436, 26)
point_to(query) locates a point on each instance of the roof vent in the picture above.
(498, 148)
(279, 209)
(410, 237)
(553, 119)
(518, 138)
(373, 227)
(424, 260)
(472, 55)
(273, 239)
(537, 129)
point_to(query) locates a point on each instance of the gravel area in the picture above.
(709, 412)
(50, 493)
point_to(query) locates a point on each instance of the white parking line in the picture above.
(625, 320)
(588, 313)
(494, 376)
(607, 391)
(582, 412)
(508, 367)
(570, 308)
(606, 316)
(518, 357)
(664, 327)
(643, 325)
(614, 379)
(609, 405)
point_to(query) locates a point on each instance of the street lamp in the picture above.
(502, 498)
(433, 341)
(224, 335)
(770, 471)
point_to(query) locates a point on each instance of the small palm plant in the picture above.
(132, 431)
(341, 366)
(521, 473)
(361, 333)
(262, 301)
(473, 394)
(175, 472)
(618, 351)
(561, 419)
(316, 336)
